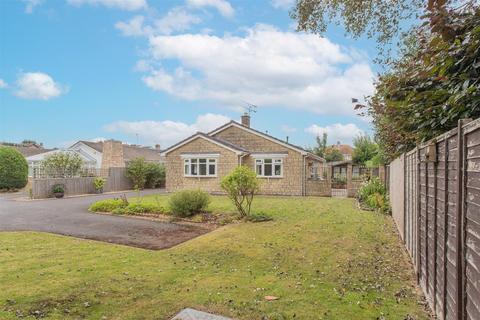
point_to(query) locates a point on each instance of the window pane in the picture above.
(212, 160)
(268, 169)
(278, 170)
(193, 169)
(202, 160)
(186, 169)
(194, 160)
(203, 169)
(267, 160)
(259, 169)
(278, 160)
(259, 161)
(211, 169)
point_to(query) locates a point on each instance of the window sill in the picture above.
(272, 177)
(200, 177)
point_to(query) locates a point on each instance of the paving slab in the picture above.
(192, 314)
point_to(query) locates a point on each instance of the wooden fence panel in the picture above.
(441, 219)
(397, 193)
(116, 181)
(472, 221)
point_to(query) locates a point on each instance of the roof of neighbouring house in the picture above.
(27, 150)
(343, 148)
(130, 152)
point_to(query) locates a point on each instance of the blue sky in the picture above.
(158, 71)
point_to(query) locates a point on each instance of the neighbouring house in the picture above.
(345, 149)
(202, 160)
(26, 149)
(101, 155)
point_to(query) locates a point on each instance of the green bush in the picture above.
(13, 169)
(62, 165)
(155, 175)
(373, 195)
(258, 217)
(58, 188)
(138, 208)
(241, 185)
(99, 183)
(137, 172)
(189, 202)
(107, 205)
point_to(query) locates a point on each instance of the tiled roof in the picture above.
(206, 136)
(129, 151)
(27, 151)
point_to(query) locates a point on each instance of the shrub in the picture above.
(258, 217)
(134, 208)
(58, 188)
(373, 195)
(62, 165)
(107, 205)
(13, 169)
(241, 185)
(189, 202)
(137, 172)
(99, 183)
(155, 175)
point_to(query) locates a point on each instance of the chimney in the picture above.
(112, 154)
(157, 147)
(287, 139)
(246, 120)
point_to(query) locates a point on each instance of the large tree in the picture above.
(433, 84)
(383, 20)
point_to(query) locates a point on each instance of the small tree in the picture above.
(333, 154)
(62, 164)
(13, 169)
(241, 185)
(364, 149)
(321, 146)
(137, 172)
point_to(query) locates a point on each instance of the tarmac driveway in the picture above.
(70, 217)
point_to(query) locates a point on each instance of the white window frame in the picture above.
(275, 161)
(188, 163)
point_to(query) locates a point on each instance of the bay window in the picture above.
(200, 167)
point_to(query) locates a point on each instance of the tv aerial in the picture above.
(250, 107)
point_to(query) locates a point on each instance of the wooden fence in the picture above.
(436, 206)
(116, 181)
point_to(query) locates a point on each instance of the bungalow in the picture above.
(202, 160)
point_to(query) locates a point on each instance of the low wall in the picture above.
(116, 181)
(316, 187)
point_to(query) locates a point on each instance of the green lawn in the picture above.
(322, 257)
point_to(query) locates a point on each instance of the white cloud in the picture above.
(345, 133)
(167, 132)
(3, 84)
(37, 85)
(282, 4)
(288, 129)
(269, 67)
(129, 5)
(224, 7)
(132, 28)
(177, 19)
(31, 4)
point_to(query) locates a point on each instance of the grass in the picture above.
(322, 257)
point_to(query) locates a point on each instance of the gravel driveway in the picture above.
(70, 217)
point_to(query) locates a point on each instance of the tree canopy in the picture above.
(433, 84)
